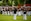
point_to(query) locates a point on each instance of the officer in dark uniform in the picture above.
(24, 14)
(25, 10)
(15, 10)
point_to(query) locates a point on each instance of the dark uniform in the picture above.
(25, 11)
(15, 10)
(8, 9)
(3, 9)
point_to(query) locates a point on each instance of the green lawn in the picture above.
(10, 18)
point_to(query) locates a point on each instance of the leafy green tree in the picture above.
(10, 2)
(1, 1)
(4, 2)
(28, 2)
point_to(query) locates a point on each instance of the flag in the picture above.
(28, 4)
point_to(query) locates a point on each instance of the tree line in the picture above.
(16, 2)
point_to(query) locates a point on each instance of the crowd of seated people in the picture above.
(10, 10)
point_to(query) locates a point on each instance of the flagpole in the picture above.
(13, 3)
(24, 3)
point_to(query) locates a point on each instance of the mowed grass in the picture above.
(10, 18)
